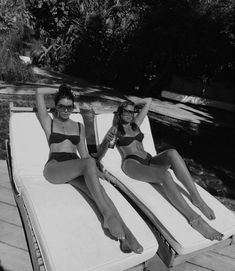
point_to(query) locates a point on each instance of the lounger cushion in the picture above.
(68, 231)
(181, 236)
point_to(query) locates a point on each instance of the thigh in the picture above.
(80, 184)
(161, 159)
(63, 172)
(145, 173)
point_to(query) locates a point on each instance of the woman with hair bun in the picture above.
(66, 137)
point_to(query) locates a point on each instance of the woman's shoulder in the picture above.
(75, 122)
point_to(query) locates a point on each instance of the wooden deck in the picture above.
(14, 254)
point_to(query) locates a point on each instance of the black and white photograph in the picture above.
(117, 127)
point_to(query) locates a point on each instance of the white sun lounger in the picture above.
(63, 231)
(177, 240)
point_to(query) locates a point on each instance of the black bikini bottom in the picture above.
(62, 156)
(144, 161)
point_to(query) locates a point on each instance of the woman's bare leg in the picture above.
(130, 241)
(128, 244)
(171, 158)
(160, 175)
(63, 172)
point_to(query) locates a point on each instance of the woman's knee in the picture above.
(172, 154)
(164, 177)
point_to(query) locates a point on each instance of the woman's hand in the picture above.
(111, 133)
(143, 111)
(144, 101)
(103, 147)
(100, 174)
(46, 91)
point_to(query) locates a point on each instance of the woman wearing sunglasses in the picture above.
(140, 165)
(66, 138)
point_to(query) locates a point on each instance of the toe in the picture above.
(121, 237)
(218, 237)
(125, 247)
(212, 216)
(139, 250)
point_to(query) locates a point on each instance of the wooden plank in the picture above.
(182, 258)
(139, 267)
(190, 267)
(225, 259)
(227, 251)
(14, 259)
(6, 196)
(10, 214)
(12, 235)
(4, 178)
(214, 261)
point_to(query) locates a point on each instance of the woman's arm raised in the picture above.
(144, 111)
(43, 115)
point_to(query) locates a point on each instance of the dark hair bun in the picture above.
(65, 88)
(65, 91)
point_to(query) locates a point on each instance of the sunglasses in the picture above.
(130, 112)
(62, 107)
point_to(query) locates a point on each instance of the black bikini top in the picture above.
(127, 140)
(58, 137)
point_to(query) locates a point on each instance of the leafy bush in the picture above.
(58, 25)
(14, 37)
(11, 66)
(132, 43)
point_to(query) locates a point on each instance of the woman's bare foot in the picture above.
(125, 247)
(205, 229)
(114, 226)
(131, 242)
(205, 209)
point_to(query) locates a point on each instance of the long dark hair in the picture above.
(65, 91)
(117, 118)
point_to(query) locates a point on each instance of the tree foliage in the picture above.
(132, 43)
(15, 31)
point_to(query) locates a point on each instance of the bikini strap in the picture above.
(51, 126)
(79, 127)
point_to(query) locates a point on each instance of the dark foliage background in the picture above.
(15, 38)
(129, 44)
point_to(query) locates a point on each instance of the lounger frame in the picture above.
(33, 247)
(168, 255)
(31, 240)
